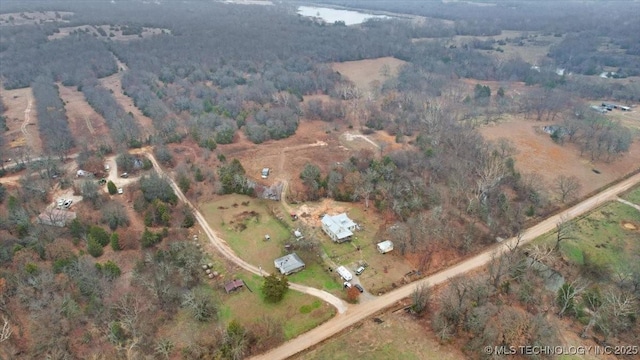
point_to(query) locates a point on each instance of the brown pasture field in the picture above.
(398, 336)
(113, 83)
(315, 142)
(363, 72)
(16, 102)
(534, 49)
(87, 126)
(287, 157)
(537, 153)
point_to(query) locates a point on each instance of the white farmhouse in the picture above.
(339, 227)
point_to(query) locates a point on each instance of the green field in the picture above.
(601, 239)
(244, 228)
(298, 312)
(633, 196)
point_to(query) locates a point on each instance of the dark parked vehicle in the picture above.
(360, 288)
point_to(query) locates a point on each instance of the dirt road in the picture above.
(358, 313)
(27, 113)
(281, 173)
(629, 203)
(227, 252)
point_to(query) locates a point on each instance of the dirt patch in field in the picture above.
(363, 72)
(629, 226)
(22, 132)
(113, 83)
(538, 153)
(87, 126)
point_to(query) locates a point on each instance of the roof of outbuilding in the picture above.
(288, 263)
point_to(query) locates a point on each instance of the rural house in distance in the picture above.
(339, 227)
(289, 264)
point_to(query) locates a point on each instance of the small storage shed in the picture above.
(233, 285)
(289, 264)
(385, 246)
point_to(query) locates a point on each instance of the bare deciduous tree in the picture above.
(568, 293)
(564, 231)
(420, 297)
(6, 331)
(568, 187)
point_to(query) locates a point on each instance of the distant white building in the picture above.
(289, 264)
(83, 173)
(385, 246)
(339, 227)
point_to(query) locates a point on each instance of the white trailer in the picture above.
(344, 273)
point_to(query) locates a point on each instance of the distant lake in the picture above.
(332, 15)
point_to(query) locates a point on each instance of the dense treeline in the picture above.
(486, 19)
(588, 25)
(69, 60)
(123, 126)
(52, 118)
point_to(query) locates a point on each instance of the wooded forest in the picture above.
(220, 72)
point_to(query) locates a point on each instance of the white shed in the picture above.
(385, 246)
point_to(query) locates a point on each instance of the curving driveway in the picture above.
(359, 313)
(226, 251)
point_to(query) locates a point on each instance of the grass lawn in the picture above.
(633, 195)
(244, 228)
(601, 239)
(315, 275)
(298, 312)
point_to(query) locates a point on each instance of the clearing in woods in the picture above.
(22, 119)
(363, 72)
(33, 18)
(538, 153)
(113, 83)
(87, 126)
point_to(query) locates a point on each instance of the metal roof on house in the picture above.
(339, 225)
(289, 263)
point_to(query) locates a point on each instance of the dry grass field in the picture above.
(395, 335)
(363, 72)
(87, 126)
(534, 48)
(21, 133)
(113, 83)
(538, 153)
